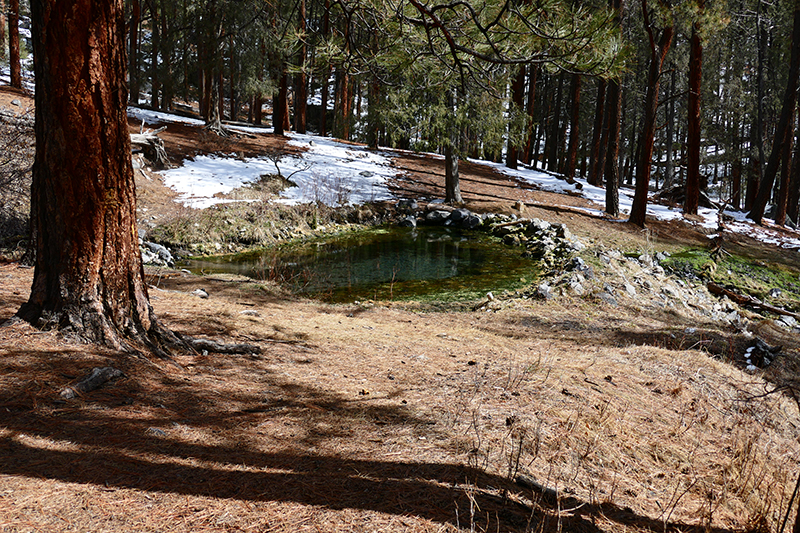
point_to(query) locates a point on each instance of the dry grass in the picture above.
(383, 418)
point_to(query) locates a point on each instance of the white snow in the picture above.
(336, 173)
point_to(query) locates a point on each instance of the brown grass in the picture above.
(384, 418)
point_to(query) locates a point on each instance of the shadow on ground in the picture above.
(98, 440)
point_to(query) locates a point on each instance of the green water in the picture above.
(386, 264)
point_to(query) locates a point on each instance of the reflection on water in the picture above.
(390, 263)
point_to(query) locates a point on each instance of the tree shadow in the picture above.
(98, 440)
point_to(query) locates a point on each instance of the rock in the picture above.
(164, 255)
(407, 205)
(577, 288)
(607, 298)
(471, 222)
(544, 291)
(775, 293)
(249, 312)
(437, 216)
(630, 289)
(200, 293)
(538, 226)
(788, 320)
(16, 102)
(646, 260)
(459, 214)
(408, 222)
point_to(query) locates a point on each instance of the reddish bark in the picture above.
(693, 127)
(2, 28)
(614, 123)
(783, 189)
(658, 52)
(13, 44)
(88, 275)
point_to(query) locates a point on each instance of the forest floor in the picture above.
(568, 414)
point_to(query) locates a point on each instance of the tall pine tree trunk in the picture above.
(155, 81)
(517, 102)
(595, 173)
(658, 52)
(88, 276)
(614, 106)
(794, 184)
(300, 80)
(13, 44)
(531, 109)
(2, 29)
(781, 141)
(693, 142)
(574, 129)
(133, 54)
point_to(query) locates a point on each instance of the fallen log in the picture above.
(743, 299)
(94, 380)
(217, 347)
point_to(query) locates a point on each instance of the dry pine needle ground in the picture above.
(385, 418)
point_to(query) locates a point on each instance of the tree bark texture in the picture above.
(300, 79)
(517, 101)
(2, 29)
(531, 109)
(794, 183)
(783, 188)
(133, 53)
(594, 177)
(13, 44)
(614, 105)
(693, 127)
(781, 140)
(658, 52)
(88, 275)
(574, 128)
(452, 186)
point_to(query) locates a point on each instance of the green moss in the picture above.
(748, 276)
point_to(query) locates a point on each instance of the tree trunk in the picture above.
(658, 51)
(555, 128)
(155, 81)
(452, 186)
(574, 129)
(2, 29)
(783, 189)
(780, 142)
(669, 133)
(614, 106)
(692, 196)
(530, 105)
(517, 102)
(133, 47)
(794, 184)
(88, 276)
(300, 81)
(594, 177)
(13, 44)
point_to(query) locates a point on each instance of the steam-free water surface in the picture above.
(386, 263)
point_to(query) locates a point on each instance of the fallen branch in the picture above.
(742, 299)
(217, 347)
(96, 378)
